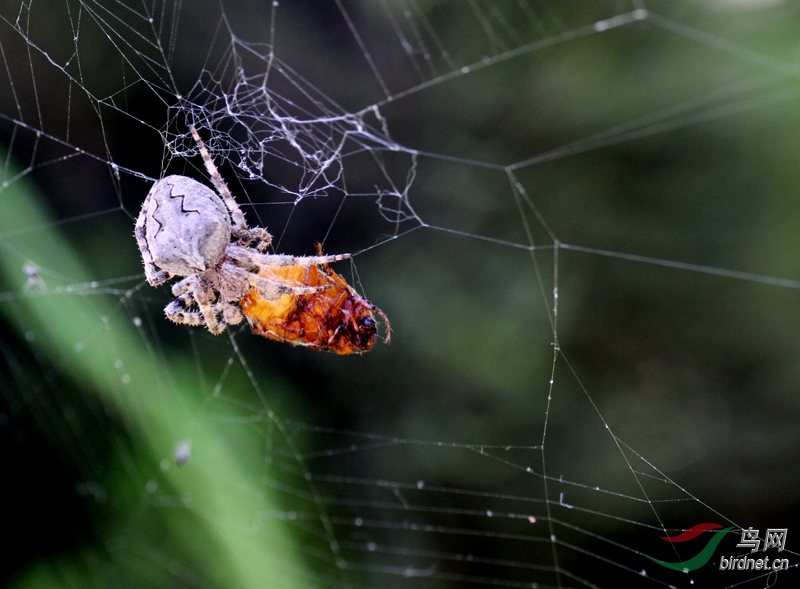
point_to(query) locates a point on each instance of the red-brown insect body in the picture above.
(335, 318)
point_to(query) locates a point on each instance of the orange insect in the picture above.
(335, 318)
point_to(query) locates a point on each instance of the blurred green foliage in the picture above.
(93, 341)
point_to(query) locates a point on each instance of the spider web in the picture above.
(580, 219)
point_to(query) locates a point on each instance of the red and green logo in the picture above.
(703, 556)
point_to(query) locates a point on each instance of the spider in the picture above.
(185, 229)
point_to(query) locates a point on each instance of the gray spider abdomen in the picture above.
(187, 227)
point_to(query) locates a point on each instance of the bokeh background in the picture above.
(673, 138)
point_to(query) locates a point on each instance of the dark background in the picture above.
(692, 125)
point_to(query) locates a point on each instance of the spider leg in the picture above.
(237, 217)
(193, 289)
(182, 286)
(272, 291)
(152, 273)
(177, 311)
(232, 315)
(259, 235)
(245, 257)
